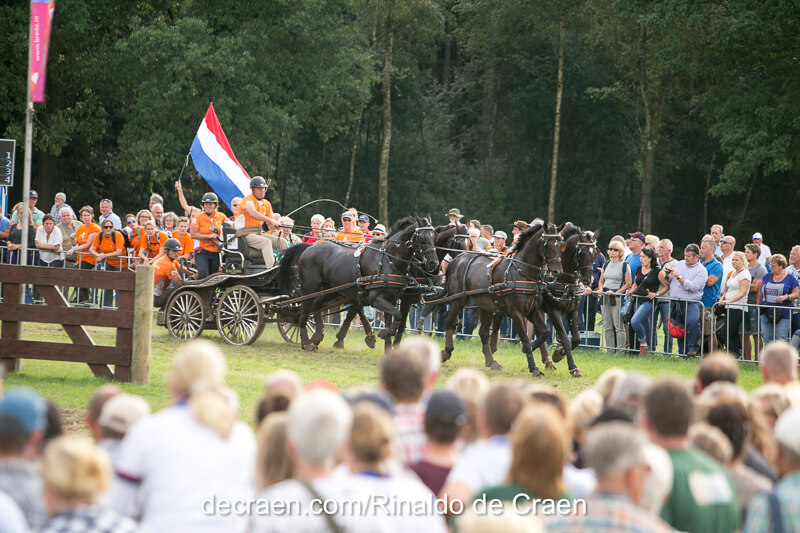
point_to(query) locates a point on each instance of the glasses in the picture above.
(613, 250)
(347, 218)
(131, 221)
(725, 242)
(108, 227)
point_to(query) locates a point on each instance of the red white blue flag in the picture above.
(214, 160)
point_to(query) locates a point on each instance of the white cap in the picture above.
(786, 432)
(122, 410)
(379, 227)
(757, 235)
(500, 235)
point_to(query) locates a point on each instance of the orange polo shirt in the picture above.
(187, 244)
(262, 206)
(109, 245)
(165, 269)
(354, 235)
(82, 234)
(204, 224)
(153, 245)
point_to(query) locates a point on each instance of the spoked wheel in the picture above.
(185, 315)
(240, 316)
(290, 331)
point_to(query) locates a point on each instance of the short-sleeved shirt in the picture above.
(308, 238)
(614, 275)
(37, 215)
(108, 245)
(152, 245)
(164, 271)
(755, 274)
(90, 518)
(703, 499)
(4, 225)
(354, 235)
(597, 268)
(136, 239)
(204, 224)
(634, 261)
(187, 244)
(732, 289)
(82, 234)
(483, 464)
(54, 239)
(646, 283)
(262, 206)
(771, 289)
(433, 476)
(112, 216)
(711, 294)
(759, 517)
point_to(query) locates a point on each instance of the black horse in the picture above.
(373, 275)
(509, 285)
(562, 297)
(450, 236)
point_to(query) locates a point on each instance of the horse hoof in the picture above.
(494, 365)
(576, 373)
(383, 334)
(370, 340)
(550, 366)
(558, 354)
(339, 344)
(310, 348)
(536, 373)
(445, 356)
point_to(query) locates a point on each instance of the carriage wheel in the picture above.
(185, 315)
(291, 332)
(240, 316)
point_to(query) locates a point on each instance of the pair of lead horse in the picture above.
(525, 284)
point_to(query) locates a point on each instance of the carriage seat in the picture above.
(238, 245)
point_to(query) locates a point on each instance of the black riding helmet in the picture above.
(258, 182)
(209, 198)
(173, 244)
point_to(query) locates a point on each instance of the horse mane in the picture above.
(572, 230)
(290, 257)
(527, 235)
(401, 225)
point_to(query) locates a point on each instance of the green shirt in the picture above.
(36, 213)
(703, 499)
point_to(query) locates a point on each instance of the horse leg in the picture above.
(519, 324)
(304, 340)
(369, 336)
(319, 334)
(483, 332)
(542, 334)
(405, 307)
(450, 322)
(391, 311)
(340, 335)
(387, 340)
(576, 340)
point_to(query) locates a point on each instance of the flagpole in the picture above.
(26, 172)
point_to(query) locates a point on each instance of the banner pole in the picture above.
(26, 172)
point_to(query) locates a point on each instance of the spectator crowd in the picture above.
(413, 453)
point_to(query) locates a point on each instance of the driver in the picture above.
(205, 229)
(166, 269)
(257, 210)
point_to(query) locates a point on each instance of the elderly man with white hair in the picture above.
(285, 227)
(779, 365)
(317, 499)
(616, 451)
(60, 202)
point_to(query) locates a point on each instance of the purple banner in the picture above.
(41, 22)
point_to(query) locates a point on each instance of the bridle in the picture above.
(556, 267)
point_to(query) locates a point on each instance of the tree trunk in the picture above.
(708, 186)
(448, 47)
(551, 204)
(322, 168)
(490, 88)
(740, 219)
(356, 139)
(386, 90)
(649, 146)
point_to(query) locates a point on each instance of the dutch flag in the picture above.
(214, 160)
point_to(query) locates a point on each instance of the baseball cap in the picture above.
(637, 235)
(537, 222)
(347, 214)
(786, 432)
(483, 243)
(363, 218)
(33, 194)
(379, 227)
(22, 411)
(757, 235)
(500, 235)
(445, 409)
(122, 410)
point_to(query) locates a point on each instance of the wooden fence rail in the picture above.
(74, 320)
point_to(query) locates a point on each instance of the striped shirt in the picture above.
(607, 512)
(788, 492)
(694, 281)
(19, 479)
(409, 420)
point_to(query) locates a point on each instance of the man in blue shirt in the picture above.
(635, 244)
(711, 290)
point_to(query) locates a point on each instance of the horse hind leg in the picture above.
(304, 340)
(345, 327)
(450, 321)
(405, 307)
(519, 324)
(369, 335)
(497, 321)
(488, 354)
(542, 334)
(574, 371)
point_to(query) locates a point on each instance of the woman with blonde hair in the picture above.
(75, 474)
(615, 279)
(190, 453)
(273, 463)
(371, 457)
(471, 386)
(540, 445)
(734, 298)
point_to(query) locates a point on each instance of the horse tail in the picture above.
(290, 257)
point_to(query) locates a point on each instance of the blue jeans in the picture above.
(643, 325)
(693, 311)
(207, 263)
(662, 310)
(778, 330)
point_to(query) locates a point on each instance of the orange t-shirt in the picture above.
(153, 245)
(186, 241)
(354, 235)
(165, 269)
(106, 246)
(204, 223)
(262, 206)
(136, 239)
(82, 234)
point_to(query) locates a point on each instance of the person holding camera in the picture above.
(614, 281)
(205, 229)
(777, 289)
(687, 279)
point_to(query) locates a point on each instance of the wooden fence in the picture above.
(130, 355)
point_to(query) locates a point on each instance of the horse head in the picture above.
(551, 244)
(459, 241)
(423, 242)
(579, 253)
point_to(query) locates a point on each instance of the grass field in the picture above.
(71, 384)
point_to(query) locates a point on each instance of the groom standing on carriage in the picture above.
(256, 210)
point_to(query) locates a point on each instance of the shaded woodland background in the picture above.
(674, 114)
